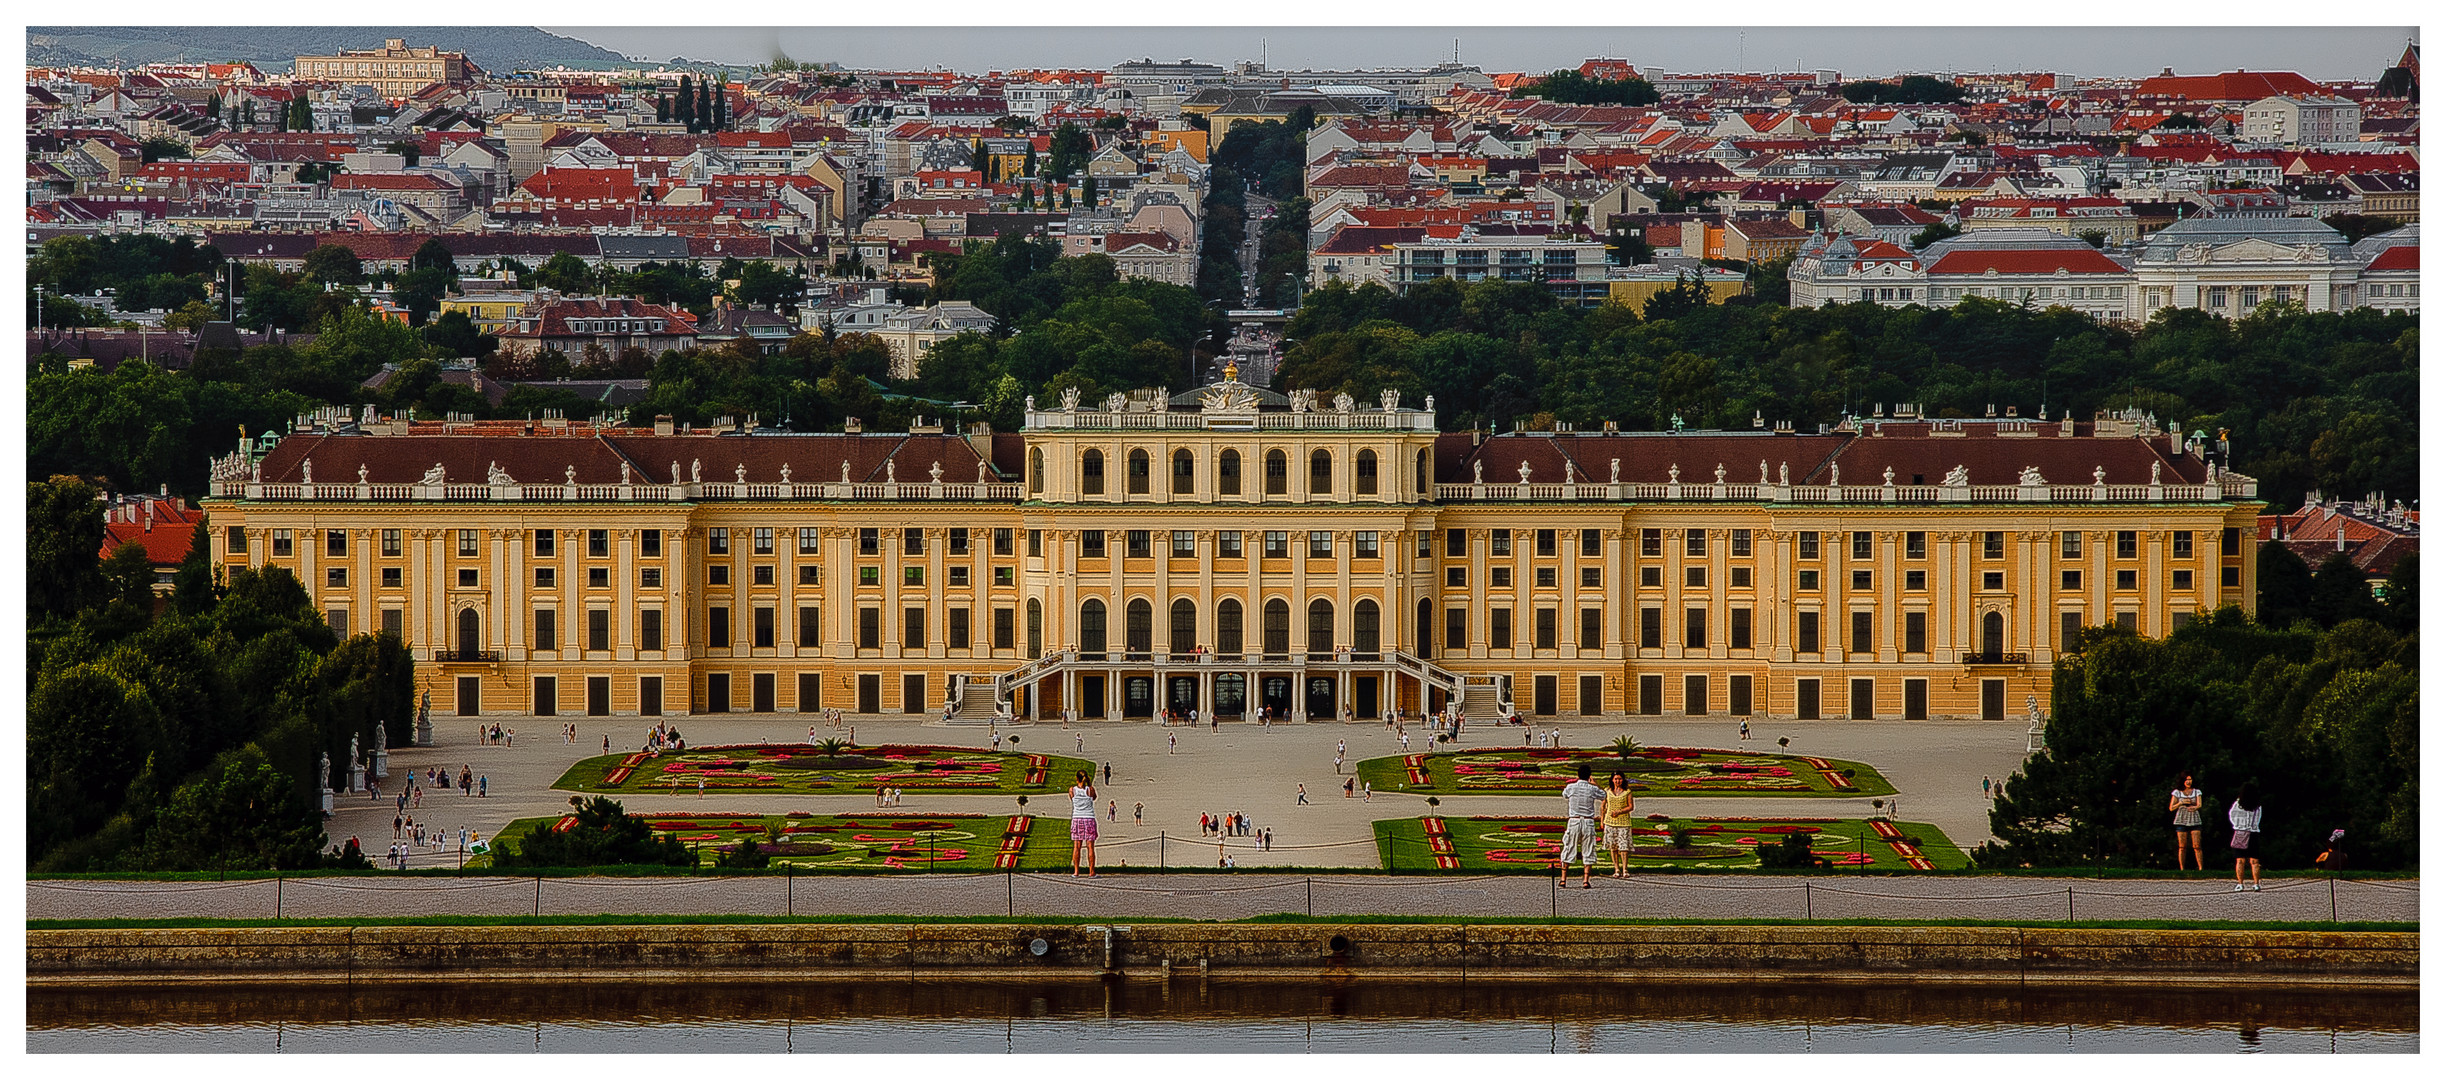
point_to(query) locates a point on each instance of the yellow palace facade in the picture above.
(1229, 550)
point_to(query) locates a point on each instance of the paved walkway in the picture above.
(1935, 768)
(1244, 895)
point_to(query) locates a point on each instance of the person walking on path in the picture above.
(1745, 731)
(2185, 804)
(1078, 741)
(2245, 815)
(1138, 813)
(1580, 802)
(700, 785)
(1367, 793)
(1615, 817)
(1108, 772)
(607, 742)
(1350, 786)
(1303, 795)
(1083, 824)
(1173, 738)
(481, 782)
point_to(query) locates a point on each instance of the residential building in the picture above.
(2394, 196)
(396, 70)
(1574, 269)
(911, 332)
(611, 323)
(1229, 549)
(2304, 120)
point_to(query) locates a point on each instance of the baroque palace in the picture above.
(1231, 549)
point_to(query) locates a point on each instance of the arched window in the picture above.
(1320, 473)
(1991, 634)
(1139, 468)
(1091, 627)
(1227, 473)
(1277, 473)
(1320, 625)
(1036, 471)
(1366, 469)
(471, 633)
(1091, 472)
(1424, 643)
(1422, 472)
(1227, 627)
(1365, 633)
(1036, 628)
(1184, 472)
(1141, 627)
(1277, 627)
(1184, 626)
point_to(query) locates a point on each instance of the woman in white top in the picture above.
(2246, 816)
(2185, 804)
(1083, 824)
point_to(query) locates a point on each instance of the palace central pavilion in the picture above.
(1230, 549)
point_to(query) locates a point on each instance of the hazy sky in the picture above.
(2320, 53)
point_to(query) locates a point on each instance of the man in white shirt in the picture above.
(1580, 802)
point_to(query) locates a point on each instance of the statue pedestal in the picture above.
(424, 729)
(382, 764)
(326, 802)
(356, 779)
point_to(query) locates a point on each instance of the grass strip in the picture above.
(1287, 918)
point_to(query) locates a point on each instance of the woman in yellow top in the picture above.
(1615, 816)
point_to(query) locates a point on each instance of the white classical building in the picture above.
(2231, 265)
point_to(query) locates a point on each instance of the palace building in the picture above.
(1230, 549)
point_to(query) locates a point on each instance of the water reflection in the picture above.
(1208, 1016)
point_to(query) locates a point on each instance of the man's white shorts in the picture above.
(1580, 841)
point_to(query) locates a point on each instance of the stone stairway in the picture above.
(976, 706)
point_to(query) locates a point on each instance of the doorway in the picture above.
(1991, 699)
(1231, 695)
(1274, 695)
(470, 633)
(1320, 697)
(1091, 697)
(1363, 695)
(471, 697)
(870, 693)
(1180, 693)
(1137, 697)
(598, 695)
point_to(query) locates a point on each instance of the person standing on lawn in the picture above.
(1580, 802)
(1615, 817)
(2185, 803)
(1083, 824)
(2246, 818)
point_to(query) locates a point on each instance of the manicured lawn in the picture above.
(1652, 771)
(797, 769)
(1505, 844)
(877, 840)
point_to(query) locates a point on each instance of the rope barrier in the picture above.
(412, 886)
(172, 890)
(1218, 891)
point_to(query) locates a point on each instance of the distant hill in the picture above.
(498, 49)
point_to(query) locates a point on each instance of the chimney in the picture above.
(148, 519)
(852, 425)
(2339, 539)
(662, 424)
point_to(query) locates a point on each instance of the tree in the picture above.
(686, 103)
(242, 814)
(456, 334)
(334, 264)
(162, 147)
(1070, 151)
(407, 149)
(662, 108)
(1682, 298)
(1090, 192)
(2340, 592)
(563, 272)
(1568, 86)
(1936, 231)
(2284, 585)
(603, 834)
(2180, 122)
(127, 578)
(433, 254)
(63, 547)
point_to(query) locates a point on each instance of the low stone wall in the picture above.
(1356, 949)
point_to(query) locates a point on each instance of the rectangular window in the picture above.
(1694, 695)
(1915, 632)
(1694, 577)
(1456, 543)
(1694, 543)
(1991, 545)
(543, 543)
(1592, 628)
(649, 545)
(1320, 544)
(870, 628)
(335, 543)
(2068, 631)
(1277, 544)
(1694, 628)
(547, 635)
(1592, 578)
(2231, 545)
(1139, 543)
(1426, 545)
(1915, 580)
(2128, 620)
(1737, 695)
(1456, 629)
(2127, 544)
(650, 577)
(764, 541)
(1651, 577)
(391, 577)
(1862, 580)
(467, 579)
(1809, 545)
(717, 541)
(1591, 543)
(958, 575)
(1741, 577)
(810, 625)
(1500, 577)
(1227, 545)
(1863, 632)
(283, 546)
(1546, 634)
(2070, 545)
(870, 541)
(1499, 628)
(1738, 632)
(394, 622)
(1652, 543)
(1651, 628)
(959, 541)
(810, 574)
(912, 541)
(955, 628)
(1863, 546)
(2182, 581)
(1091, 543)
(717, 574)
(1809, 581)
(598, 543)
(1915, 545)
(1805, 633)
(1992, 581)
(1002, 541)
(912, 628)
(1502, 541)
(1184, 544)
(2127, 579)
(599, 577)
(1545, 577)
(2182, 543)
(1005, 633)
(1545, 543)
(1741, 543)
(810, 541)
(1036, 543)
(2072, 581)
(1364, 546)
(335, 577)
(717, 627)
(762, 628)
(337, 619)
(598, 630)
(235, 537)
(649, 629)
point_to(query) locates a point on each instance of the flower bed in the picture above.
(888, 841)
(1666, 770)
(791, 769)
(1483, 844)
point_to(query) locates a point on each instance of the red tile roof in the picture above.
(2081, 260)
(166, 542)
(2402, 257)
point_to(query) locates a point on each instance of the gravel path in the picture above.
(1242, 895)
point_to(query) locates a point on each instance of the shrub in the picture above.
(1792, 854)
(748, 857)
(604, 835)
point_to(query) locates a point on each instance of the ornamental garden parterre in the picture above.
(1652, 771)
(829, 768)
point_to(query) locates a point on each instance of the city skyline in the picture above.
(2108, 52)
